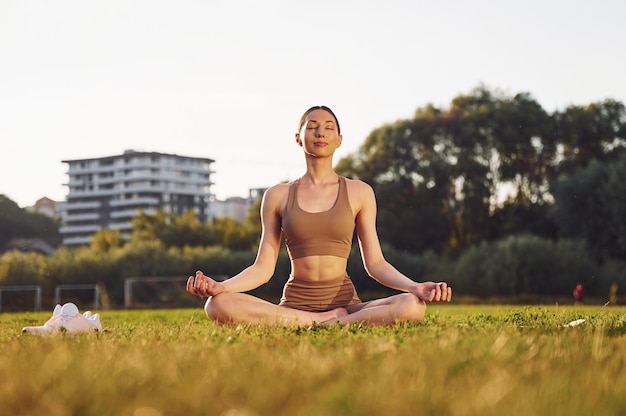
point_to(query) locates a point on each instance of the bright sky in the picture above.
(228, 80)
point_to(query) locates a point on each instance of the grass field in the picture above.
(462, 360)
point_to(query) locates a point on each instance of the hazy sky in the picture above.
(228, 80)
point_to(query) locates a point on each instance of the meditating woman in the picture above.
(317, 214)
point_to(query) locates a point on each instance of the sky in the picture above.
(228, 80)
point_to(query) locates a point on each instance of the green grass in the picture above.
(462, 360)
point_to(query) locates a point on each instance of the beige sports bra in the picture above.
(327, 233)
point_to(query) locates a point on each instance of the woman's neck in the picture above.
(319, 172)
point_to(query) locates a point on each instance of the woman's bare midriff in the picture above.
(318, 268)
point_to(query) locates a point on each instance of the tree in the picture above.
(106, 239)
(448, 178)
(173, 230)
(16, 222)
(589, 132)
(242, 236)
(443, 169)
(591, 205)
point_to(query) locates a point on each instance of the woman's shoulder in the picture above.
(360, 194)
(277, 194)
(279, 188)
(358, 186)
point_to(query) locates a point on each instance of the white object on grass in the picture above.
(68, 318)
(575, 323)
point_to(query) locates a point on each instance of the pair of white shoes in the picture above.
(68, 318)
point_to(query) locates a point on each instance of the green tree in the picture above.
(233, 235)
(589, 132)
(448, 178)
(173, 230)
(439, 173)
(106, 239)
(591, 205)
(242, 236)
(16, 222)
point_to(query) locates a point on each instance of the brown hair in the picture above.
(318, 107)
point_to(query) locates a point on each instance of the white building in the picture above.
(106, 192)
(236, 207)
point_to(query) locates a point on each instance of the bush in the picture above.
(17, 268)
(523, 265)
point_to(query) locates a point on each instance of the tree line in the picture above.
(494, 194)
(494, 165)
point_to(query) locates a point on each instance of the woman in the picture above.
(318, 214)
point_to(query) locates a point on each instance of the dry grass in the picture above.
(462, 360)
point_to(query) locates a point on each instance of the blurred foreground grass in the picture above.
(462, 360)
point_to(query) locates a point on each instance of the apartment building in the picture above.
(107, 192)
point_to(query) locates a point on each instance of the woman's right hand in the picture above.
(203, 286)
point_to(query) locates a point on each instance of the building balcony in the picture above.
(76, 241)
(122, 226)
(82, 205)
(72, 229)
(93, 216)
(130, 213)
(146, 201)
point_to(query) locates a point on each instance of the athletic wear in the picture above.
(319, 296)
(327, 233)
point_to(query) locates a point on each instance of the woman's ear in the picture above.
(298, 139)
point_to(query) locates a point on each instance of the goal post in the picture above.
(22, 288)
(74, 287)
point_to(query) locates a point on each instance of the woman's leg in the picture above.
(404, 307)
(244, 308)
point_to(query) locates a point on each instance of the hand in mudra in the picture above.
(433, 292)
(203, 286)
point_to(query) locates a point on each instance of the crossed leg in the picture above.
(244, 308)
(405, 307)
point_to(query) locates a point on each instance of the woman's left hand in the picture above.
(433, 292)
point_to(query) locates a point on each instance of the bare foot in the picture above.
(330, 317)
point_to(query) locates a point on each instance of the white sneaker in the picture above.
(68, 318)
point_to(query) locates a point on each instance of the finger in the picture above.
(199, 280)
(206, 287)
(432, 294)
(190, 284)
(445, 294)
(443, 286)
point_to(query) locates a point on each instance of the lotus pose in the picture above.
(317, 214)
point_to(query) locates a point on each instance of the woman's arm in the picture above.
(264, 265)
(374, 261)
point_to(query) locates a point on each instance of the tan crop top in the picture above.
(327, 233)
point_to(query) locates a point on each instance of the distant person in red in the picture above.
(579, 294)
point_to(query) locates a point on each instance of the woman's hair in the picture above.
(318, 107)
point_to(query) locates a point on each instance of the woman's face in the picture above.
(319, 135)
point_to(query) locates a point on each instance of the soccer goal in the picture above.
(72, 289)
(24, 288)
